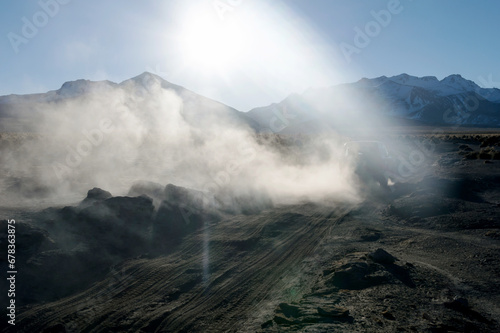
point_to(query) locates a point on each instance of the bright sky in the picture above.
(245, 53)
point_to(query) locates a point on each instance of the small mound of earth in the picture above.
(368, 270)
(82, 242)
(369, 291)
(367, 234)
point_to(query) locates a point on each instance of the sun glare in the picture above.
(210, 44)
(266, 47)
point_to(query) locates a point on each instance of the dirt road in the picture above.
(227, 277)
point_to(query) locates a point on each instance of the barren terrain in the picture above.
(422, 257)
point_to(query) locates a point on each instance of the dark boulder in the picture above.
(181, 196)
(182, 211)
(174, 221)
(29, 240)
(151, 189)
(98, 194)
(94, 195)
(359, 275)
(382, 257)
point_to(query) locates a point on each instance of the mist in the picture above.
(140, 130)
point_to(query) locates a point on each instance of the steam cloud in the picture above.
(115, 135)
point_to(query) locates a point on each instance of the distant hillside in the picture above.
(401, 99)
(371, 103)
(20, 112)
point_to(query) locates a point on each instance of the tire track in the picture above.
(171, 293)
(256, 280)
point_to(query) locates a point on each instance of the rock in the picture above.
(29, 239)
(132, 210)
(98, 194)
(173, 222)
(118, 225)
(153, 190)
(181, 196)
(94, 195)
(267, 324)
(485, 155)
(465, 148)
(290, 310)
(388, 315)
(382, 257)
(493, 234)
(474, 155)
(359, 275)
(181, 212)
(309, 313)
(491, 141)
(458, 304)
(367, 234)
(281, 319)
(333, 312)
(426, 316)
(371, 237)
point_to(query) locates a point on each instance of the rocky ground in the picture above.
(424, 257)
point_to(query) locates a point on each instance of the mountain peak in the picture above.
(454, 76)
(149, 80)
(80, 86)
(403, 78)
(147, 76)
(458, 82)
(80, 83)
(430, 78)
(372, 82)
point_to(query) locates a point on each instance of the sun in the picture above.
(257, 47)
(210, 44)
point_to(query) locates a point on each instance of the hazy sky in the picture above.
(245, 53)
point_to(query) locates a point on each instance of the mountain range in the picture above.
(398, 100)
(401, 99)
(19, 112)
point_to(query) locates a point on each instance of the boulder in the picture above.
(359, 275)
(382, 257)
(98, 194)
(333, 312)
(181, 196)
(151, 189)
(94, 195)
(29, 240)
